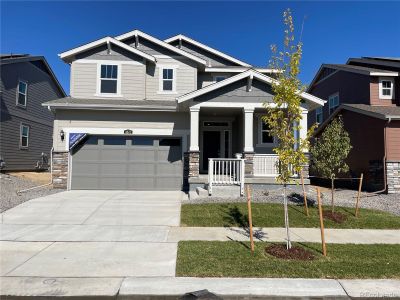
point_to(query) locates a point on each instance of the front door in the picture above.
(211, 146)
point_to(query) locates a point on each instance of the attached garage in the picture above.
(127, 163)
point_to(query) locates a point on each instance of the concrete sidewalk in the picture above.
(174, 287)
(339, 236)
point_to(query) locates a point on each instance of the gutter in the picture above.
(113, 107)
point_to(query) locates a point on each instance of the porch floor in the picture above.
(203, 179)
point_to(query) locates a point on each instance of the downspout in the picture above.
(384, 159)
(51, 176)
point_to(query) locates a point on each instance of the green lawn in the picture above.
(233, 259)
(271, 215)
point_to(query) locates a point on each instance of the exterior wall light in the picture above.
(62, 135)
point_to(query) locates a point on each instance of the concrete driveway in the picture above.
(91, 234)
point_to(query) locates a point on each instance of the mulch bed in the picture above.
(336, 217)
(296, 252)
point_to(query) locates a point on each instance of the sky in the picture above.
(332, 31)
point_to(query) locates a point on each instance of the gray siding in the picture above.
(212, 59)
(205, 79)
(41, 88)
(237, 92)
(117, 53)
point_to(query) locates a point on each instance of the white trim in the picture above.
(394, 74)
(21, 126)
(238, 77)
(238, 70)
(26, 93)
(102, 61)
(161, 78)
(207, 48)
(160, 43)
(329, 101)
(102, 41)
(392, 90)
(119, 81)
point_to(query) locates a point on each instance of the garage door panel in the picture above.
(145, 169)
(144, 166)
(142, 183)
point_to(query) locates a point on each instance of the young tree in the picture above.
(284, 117)
(330, 151)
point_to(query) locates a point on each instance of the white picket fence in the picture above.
(266, 165)
(225, 171)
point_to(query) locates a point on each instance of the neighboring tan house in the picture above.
(366, 92)
(26, 126)
(148, 114)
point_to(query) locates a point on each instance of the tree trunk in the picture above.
(332, 192)
(285, 205)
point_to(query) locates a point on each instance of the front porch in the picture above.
(230, 146)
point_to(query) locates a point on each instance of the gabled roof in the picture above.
(102, 41)
(161, 43)
(249, 73)
(379, 112)
(206, 48)
(10, 59)
(364, 70)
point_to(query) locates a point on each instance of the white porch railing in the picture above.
(266, 165)
(225, 171)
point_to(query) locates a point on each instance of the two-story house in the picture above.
(366, 92)
(149, 114)
(26, 127)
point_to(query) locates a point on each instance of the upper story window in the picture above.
(109, 79)
(333, 102)
(22, 91)
(24, 136)
(386, 88)
(319, 115)
(265, 136)
(167, 79)
(219, 78)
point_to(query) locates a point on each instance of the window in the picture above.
(219, 78)
(386, 90)
(333, 102)
(109, 79)
(143, 141)
(115, 140)
(319, 115)
(266, 138)
(21, 93)
(24, 136)
(168, 80)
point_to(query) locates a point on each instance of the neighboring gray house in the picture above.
(26, 126)
(149, 114)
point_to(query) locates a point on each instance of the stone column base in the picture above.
(60, 170)
(191, 165)
(248, 163)
(393, 177)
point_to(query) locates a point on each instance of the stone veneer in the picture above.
(191, 165)
(248, 163)
(60, 170)
(393, 177)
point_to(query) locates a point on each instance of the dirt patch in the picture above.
(296, 252)
(37, 177)
(336, 217)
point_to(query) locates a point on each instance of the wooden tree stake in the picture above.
(358, 194)
(321, 220)
(304, 194)
(250, 219)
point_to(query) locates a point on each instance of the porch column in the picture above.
(194, 129)
(303, 125)
(248, 149)
(303, 135)
(248, 130)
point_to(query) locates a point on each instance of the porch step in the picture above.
(228, 191)
(201, 192)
